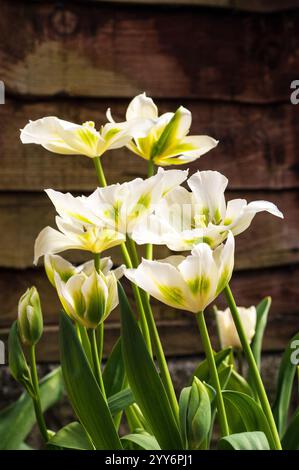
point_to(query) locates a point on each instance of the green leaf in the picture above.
(143, 440)
(262, 311)
(290, 440)
(284, 387)
(72, 436)
(245, 414)
(145, 382)
(202, 370)
(195, 414)
(120, 401)
(244, 441)
(239, 384)
(17, 420)
(114, 371)
(83, 390)
(17, 362)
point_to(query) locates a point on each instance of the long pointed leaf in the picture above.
(145, 382)
(285, 382)
(83, 390)
(244, 441)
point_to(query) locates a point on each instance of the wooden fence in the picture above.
(231, 65)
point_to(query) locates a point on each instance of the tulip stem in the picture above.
(36, 400)
(253, 367)
(97, 262)
(160, 356)
(213, 371)
(139, 303)
(96, 361)
(128, 263)
(99, 171)
(149, 246)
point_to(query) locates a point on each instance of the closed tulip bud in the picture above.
(227, 331)
(30, 319)
(195, 414)
(17, 362)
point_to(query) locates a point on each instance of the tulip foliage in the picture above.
(128, 401)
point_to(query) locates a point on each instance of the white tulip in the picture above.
(79, 229)
(227, 331)
(189, 283)
(184, 218)
(166, 142)
(88, 298)
(67, 138)
(65, 269)
(124, 206)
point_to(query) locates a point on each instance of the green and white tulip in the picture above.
(167, 141)
(190, 283)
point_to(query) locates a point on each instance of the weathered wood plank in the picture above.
(261, 6)
(100, 50)
(269, 242)
(248, 287)
(266, 157)
(179, 333)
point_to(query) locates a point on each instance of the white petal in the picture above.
(55, 263)
(208, 188)
(50, 241)
(141, 107)
(162, 281)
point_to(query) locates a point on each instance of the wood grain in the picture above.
(269, 241)
(178, 329)
(248, 287)
(98, 50)
(244, 5)
(257, 149)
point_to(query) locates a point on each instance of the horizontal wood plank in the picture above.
(257, 149)
(99, 50)
(261, 6)
(178, 329)
(269, 241)
(248, 287)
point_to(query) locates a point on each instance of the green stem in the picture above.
(213, 371)
(133, 252)
(99, 171)
(100, 340)
(164, 371)
(150, 168)
(253, 367)
(36, 401)
(139, 303)
(128, 263)
(97, 365)
(97, 262)
(149, 246)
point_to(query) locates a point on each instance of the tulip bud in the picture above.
(195, 414)
(227, 331)
(17, 362)
(30, 319)
(88, 299)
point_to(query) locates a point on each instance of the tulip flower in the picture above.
(88, 298)
(167, 141)
(65, 269)
(184, 218)
(67, 138)
(30, 318)
(227, 330)
(79, 229)
(123, 206)
(189, 283)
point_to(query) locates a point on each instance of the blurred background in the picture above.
(230, 62)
